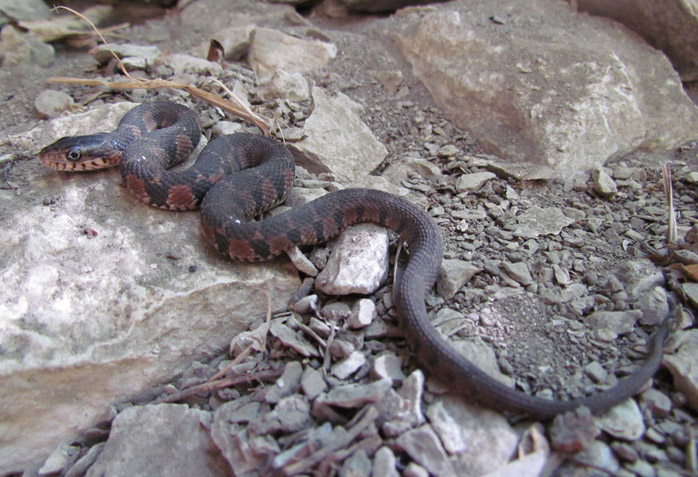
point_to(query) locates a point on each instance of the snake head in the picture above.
(81, 153)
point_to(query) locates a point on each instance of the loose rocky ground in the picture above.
(535, 264)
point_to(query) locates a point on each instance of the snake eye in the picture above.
(74, 154)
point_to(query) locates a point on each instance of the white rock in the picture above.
(600, 455)
(623, 421)
(446, 427)
(654, 306)
(519, 272)
(290, 86)
(51, 103)
(225, 128)
(354, 395)
(472, 182)
(387, 366)
(62, 457)
(491, 441)
(312, 382)
(102, 54)
(349, 365)
(410, 412)
(385, 463)
(271, 50)
(182, 64)
(603, 183)
(423, 445)
(362, 314)
(359, 263)
(337, 141)
(682, 366)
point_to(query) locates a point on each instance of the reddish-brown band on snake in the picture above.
(239, 176)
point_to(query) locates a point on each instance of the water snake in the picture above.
(239, 176)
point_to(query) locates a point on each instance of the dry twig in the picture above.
(211, 386)
(237, 108)
(669, 194)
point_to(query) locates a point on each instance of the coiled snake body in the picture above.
(238, 176)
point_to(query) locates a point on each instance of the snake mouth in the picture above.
(57, 162)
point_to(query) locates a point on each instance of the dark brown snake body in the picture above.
(237, 177)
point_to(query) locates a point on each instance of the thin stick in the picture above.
(264, 124)
(237, 109)
(671, 232)
(206, 387)
(84, 18)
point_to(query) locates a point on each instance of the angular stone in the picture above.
(472, 182)
(541, 221)
(291, 414)
(490, 439)
(519, 272)
(349, 365)
(623, 421)
(603, 183)
(669, 26)
(387, 366)
(290, 86)
(446, 427)
(385, 463)
(423, 445)
(617, 322)
(103, 54)
(570, 95)
(272, 50)
(600, 456)
(312, 383)
(359, 262)
(683, 368)
(151, 439)
(362, 314)
(355, 395)
(286, 384)
(337, 140)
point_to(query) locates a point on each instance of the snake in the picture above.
(240, 176)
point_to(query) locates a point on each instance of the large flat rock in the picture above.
(103, 298)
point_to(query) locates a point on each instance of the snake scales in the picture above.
(239, 176)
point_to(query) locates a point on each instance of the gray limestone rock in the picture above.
(337, 140)
(104, 297)
(151, 437)
(570, 95)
